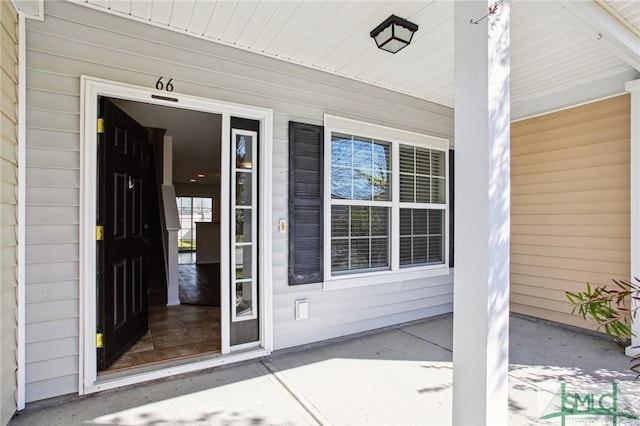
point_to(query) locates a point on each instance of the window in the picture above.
(360, 203)
(387, 199)
(192, 210)
(366, 201)
(422, 205)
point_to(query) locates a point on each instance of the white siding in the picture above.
(8, 207)
(75, 40)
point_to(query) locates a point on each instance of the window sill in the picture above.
(386, 277)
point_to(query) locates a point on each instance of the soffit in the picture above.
(626, 11)
(548, 54)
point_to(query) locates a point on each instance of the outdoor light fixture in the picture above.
(394, 34)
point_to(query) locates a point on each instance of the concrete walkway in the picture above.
(396, 376)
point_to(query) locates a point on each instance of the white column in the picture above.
(633, 87)
(482, 199)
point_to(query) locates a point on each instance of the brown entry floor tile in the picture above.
(173, 352)
(174, 332)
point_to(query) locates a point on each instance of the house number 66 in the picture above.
(164, 86)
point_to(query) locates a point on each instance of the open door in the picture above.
(121, 283)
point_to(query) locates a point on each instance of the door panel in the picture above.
(122, 288)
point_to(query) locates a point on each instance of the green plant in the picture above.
(609, 308)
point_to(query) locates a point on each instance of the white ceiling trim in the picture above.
(552, 49)
(598, 23)
(32, 9)
(570, 97)
(167, 26)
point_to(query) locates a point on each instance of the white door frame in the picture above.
(91, 88)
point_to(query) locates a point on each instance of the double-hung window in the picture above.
(385, 201)
(422, 205)
(360, 203)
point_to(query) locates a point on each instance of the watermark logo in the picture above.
(588, 406)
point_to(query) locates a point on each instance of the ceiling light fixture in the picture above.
(192, 180)
(200, 175)
(394, 34)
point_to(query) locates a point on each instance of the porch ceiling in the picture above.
(549, 54)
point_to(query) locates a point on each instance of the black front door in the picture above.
(122, 286)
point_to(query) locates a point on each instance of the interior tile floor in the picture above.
(174, 332)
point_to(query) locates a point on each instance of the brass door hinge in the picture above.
(99, 233)
(100, 125)
(99, 340)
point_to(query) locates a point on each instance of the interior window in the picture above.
(191, 211)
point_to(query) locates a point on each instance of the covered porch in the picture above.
(561, 59)
(397, 375)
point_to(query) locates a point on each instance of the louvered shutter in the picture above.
(306, 186)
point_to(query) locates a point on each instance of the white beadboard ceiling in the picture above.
(549, 54)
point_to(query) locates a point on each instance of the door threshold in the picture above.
(170, 368)
(155, 365)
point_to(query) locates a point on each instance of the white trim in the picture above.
(267, 227)
(87, 293)
(39, 16)
(340, 202)
(423, 206)
(334, 123)
(326, 205)
(179, 369)
(245, 347)
(22, 210)
(341, 282)
(91, 88)
(595, 91)
(395, 137)
(597, 23)
(633, 87)
(395, 207)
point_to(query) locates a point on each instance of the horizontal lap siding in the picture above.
(8, 207)
(73, 41)
(570, 206)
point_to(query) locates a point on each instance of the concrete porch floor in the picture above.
(400, 375)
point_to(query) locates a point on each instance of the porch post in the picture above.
(633, 87)
(482, 199)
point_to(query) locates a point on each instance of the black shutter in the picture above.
(451, 203)
(306, 186)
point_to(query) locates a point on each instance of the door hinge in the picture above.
(100, 125)
(99, 340)
(99, 233)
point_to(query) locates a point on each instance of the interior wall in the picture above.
(8, 207)
(570, 212)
